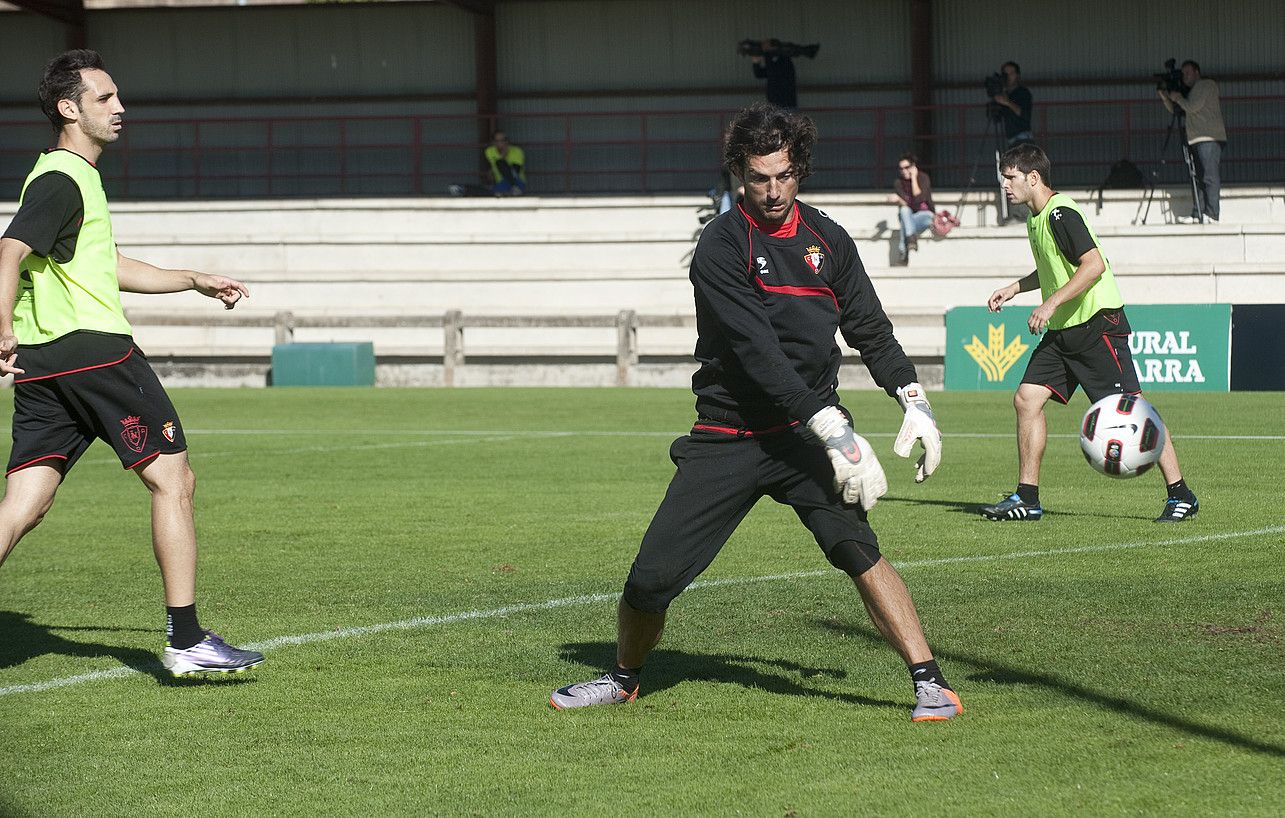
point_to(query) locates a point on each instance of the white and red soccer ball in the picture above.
(1122, 436)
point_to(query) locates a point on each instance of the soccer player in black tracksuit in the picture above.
(774, 280)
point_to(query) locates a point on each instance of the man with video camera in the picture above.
(1206, 134)
(771, 62)
(1013, 103)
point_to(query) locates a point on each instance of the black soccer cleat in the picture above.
(1012, 508)
(1177, 511)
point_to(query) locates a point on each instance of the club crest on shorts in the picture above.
(134, 434)
(168, 430)
(815, 258)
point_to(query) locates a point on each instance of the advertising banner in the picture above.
(1174, 346)
(1257, 340)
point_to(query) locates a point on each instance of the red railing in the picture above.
(647, 152)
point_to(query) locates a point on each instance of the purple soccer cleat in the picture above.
(210, 655)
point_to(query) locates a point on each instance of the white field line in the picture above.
(589, 599)
(451, 437)
(485, 434)
(346, 447)
(459, 436)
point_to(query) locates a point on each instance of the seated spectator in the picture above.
(914, 193)
(508, 166)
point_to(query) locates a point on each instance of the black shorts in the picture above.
(1093, 355)
(720, 477)
(55, 419)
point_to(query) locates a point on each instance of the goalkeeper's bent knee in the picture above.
(650, 600)
(853, 558)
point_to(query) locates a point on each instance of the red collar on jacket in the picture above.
(785, 231)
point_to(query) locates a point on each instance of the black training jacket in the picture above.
(766, 314)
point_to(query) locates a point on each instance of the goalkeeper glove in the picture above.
(858, 477)
(919, 425)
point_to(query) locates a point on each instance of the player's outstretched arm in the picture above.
(227, 290)
(136, 276)
(919, 424)
(1003, 295)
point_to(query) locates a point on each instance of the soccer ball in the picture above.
(1122, 436)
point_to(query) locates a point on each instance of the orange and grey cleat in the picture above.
(604, 690)
(935, 703)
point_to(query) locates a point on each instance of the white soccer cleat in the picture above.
(210, 655)
(603, 690)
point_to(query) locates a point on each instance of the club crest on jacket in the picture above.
(815, 258)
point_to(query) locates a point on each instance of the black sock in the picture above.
(181, 628)
(1028, 494)
(626, 677)
(928, 672)
(1179, 491)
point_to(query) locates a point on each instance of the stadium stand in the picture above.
(577, 262)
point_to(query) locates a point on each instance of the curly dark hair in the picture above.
(62, 80)
(764, 129)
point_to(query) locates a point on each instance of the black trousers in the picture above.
(721, 475)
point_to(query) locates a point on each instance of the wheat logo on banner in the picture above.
(996, 357)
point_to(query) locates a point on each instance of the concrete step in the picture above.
(486, 219)
(921, 335)
(1181, 245)
(918, 287)
(1239, 206)
(354, 255)
(942, 288)
(603, 255)
(468, 220)
(673, 219)
(494, 297)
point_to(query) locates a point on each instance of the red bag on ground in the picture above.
(944, 222)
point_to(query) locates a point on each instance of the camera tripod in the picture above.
(1178, 124)
(993, 145)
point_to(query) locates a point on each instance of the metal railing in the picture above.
(640, 151)
(453, 324)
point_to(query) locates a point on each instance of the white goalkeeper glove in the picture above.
(858, 477)
(919, 425)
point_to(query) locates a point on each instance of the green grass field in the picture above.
(447, 557)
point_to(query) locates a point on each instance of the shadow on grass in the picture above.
(10, 810)
(24, 640)
(986, 671)
(666, 668)
(975, 509)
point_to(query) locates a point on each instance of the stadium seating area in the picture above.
(596, 256)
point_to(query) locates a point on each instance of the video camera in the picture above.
(754, 48)
(994, 85)
(1171, 79)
